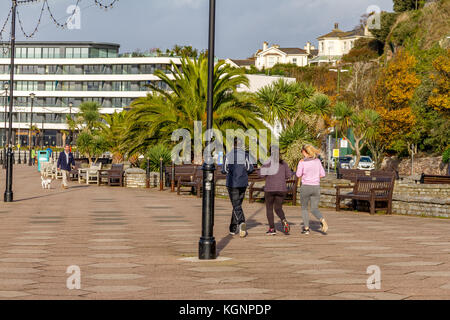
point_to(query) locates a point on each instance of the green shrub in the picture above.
(154, 154)
(446, 156)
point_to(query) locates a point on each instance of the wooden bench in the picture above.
(353, 174)
(433, 179)
(291, 184)
(188, 176)
(372, 189)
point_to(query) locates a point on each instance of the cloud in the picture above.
(187, 3)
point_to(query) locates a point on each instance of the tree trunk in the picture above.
(358, 152)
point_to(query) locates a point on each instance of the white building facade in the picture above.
(337, 43)
(270, 56)
(65, 74)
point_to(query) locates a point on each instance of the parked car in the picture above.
(343, 162)
(365, 163)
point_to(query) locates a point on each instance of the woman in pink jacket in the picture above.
(310, 169)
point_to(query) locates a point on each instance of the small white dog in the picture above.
(46, 182)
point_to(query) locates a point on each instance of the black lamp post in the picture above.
(207, 243)
(8, 196)
(42, 133)
(70, 129)
(32, 96)
(18, 138)
(6, 87)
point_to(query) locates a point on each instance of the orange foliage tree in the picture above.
(440, 97)
(393, 93)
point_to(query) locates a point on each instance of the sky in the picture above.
(241, 25)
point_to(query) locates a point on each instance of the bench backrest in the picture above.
(254, 176)
(117, 166)
(434, 179)
(186, 172)
(97, 166)
(292, 184)
(363, 185)
(353, 174)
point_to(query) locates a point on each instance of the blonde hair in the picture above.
(312, 151)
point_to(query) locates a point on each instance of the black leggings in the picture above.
(274, 200)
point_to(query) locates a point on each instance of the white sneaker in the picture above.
(243, 230)
(324, 226)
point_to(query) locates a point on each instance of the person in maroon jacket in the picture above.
(276, 171)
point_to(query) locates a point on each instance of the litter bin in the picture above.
(42, 156)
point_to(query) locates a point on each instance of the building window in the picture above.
(103, 53)
(77, 52)
(50, 53)
(294, 60)
(331, 46)
(84, 53)
(112, 53)
(69, 53)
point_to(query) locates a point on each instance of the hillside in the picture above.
(421, 29)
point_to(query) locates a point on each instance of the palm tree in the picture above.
(159, 114)
(87, 121)
(88, 117)
(362, 124)
(282, 100)
(113, 129)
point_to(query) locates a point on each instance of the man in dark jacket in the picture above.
(65, 163)
(237, 166)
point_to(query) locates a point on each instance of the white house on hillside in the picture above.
(270, 56)
(333, 45)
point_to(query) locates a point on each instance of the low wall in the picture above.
(408, 198)
(411, 199)
(137, 178)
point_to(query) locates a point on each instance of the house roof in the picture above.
(337, 33)
(287, 51)
(245, 62)
(293, 50)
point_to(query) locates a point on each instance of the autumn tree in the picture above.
(392, 96)
(440, 97)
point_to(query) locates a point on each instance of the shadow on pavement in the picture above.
(251, 223)
(77, 188)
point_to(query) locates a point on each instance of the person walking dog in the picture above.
(310, 169)
(237, 166)
(276, 172)
(65, 163)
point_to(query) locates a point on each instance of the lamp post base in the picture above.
(207, 248)
(8, 197)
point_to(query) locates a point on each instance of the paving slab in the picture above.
(143, 244)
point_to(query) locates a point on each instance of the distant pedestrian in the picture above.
(237, 166)
(33, 156)
(310, 169)
(65, 163)
(276, 172)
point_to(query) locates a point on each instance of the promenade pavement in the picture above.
(142, 244)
